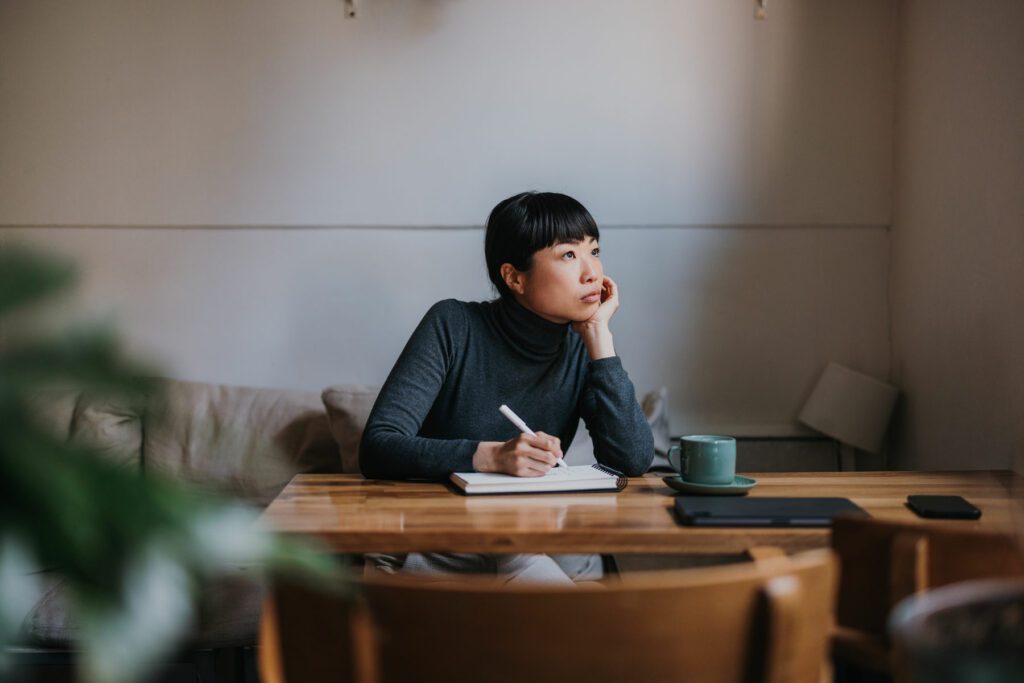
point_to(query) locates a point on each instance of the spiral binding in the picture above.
(620, 479)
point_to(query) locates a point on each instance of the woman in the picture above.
(543, 347)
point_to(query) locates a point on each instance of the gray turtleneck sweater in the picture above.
(466, 359)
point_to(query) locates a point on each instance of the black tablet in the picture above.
(764, 512)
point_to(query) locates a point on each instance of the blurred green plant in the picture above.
(132, 549)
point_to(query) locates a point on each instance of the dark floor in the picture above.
(228, 665)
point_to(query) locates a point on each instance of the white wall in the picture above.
(761, 149)
(736, 322)
(426, 112)
(958, 235)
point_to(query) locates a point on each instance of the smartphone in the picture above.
(942, 507)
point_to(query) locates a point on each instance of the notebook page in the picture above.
(572, 473)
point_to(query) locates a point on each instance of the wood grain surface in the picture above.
(355, 515)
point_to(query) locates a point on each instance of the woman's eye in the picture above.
(597, 251)
(569, 255)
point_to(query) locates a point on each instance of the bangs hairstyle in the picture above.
(520, 226)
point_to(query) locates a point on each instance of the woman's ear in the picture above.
(514, 279)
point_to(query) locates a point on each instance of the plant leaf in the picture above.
(26, 276)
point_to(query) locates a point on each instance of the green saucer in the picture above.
(739, 486)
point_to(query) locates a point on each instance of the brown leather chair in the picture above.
(882, 562)
(764, 621)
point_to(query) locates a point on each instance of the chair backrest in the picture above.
(766, 621)
(882, 562)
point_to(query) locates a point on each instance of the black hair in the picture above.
(521, 225)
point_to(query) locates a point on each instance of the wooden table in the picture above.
(356, 515)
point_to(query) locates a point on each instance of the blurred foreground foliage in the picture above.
(132, 549)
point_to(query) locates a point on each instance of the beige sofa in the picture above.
(243, 441)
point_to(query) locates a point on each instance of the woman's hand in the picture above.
(597, 336)
(523, 456)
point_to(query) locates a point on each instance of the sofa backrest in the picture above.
(111, 427)
(348, 408)
(246, 441)
(242, 441)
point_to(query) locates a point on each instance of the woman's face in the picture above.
(564, 282)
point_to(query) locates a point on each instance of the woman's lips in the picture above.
(591, 298)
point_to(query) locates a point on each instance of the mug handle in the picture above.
(677, 462)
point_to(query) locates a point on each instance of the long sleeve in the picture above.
(608, 405)
(390, 447)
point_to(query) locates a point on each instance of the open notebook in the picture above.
(573, 478)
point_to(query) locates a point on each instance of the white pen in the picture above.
(521, 426)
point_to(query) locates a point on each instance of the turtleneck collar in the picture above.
(527, 332)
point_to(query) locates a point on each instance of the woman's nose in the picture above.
(589, 271)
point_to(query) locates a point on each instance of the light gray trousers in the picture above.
(512, 569)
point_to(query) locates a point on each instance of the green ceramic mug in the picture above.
(704, 459)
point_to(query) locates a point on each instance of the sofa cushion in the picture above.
(54, 410)
(655, 406)
(50, 623)
(111, 426)
(229, 609)
(348, 408)
(227, 613)
(245, 441)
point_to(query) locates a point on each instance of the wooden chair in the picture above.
(882, 562)
(765, 621)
